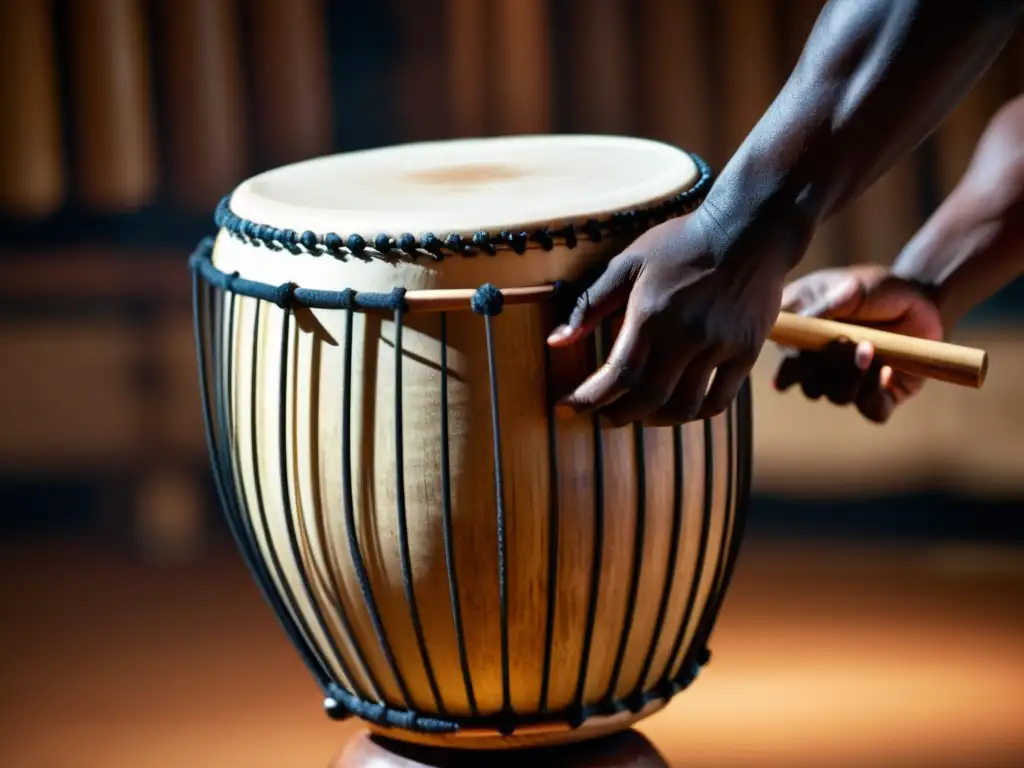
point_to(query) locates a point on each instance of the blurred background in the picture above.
(875, 617)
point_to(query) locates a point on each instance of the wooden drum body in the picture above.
(456, 564)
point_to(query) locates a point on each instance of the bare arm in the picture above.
(875, 78)
(701, 291)
(973, 244)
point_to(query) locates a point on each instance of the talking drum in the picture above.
(456, 565)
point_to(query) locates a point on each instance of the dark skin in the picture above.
(972, 246)
(702, 292)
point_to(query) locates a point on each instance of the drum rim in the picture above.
(527, 237)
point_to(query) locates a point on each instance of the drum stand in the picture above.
(628, 749)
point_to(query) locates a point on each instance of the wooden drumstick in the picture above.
(952, 363)
(938, 360)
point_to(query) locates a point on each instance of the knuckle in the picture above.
(714, 406)
(685, 408)
(650, 404)
(623, 374)
(718, 401)
(749, 353)
(629, 263)
(694, 327)
(650, 311)
(582, 305)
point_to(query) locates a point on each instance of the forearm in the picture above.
(973, 245)
(874, 80)
(988, 258)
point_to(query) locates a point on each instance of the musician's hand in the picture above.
(696, 307)
(847, 373)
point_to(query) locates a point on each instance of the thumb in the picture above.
(606, 294)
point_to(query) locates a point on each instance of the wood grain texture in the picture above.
(618, 515)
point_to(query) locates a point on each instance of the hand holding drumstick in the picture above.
(971, 247)
(701, 293)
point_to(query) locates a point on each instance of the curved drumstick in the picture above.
(951, 363)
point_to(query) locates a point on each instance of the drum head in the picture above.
(467, 186)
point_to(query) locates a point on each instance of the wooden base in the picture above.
(530, 737)
(627, 749)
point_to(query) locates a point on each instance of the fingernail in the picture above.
(862, 356)
(560, 333)
(885, 376)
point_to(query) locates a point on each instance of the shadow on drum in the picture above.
(628, 749)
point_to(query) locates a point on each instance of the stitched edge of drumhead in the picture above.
(407, 246)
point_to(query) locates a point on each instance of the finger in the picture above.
(623, 368)
(885, 377)
(836, 371)
(651, 392)
(849, 376)
(900, 385)
(876, 401)
(808, 369)
(834, 368)
(864, 355)
(729, 377)
(814, 384)
(688, 397)
(606, 294)
(794, 368)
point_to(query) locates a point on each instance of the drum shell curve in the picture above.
(588, 617)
